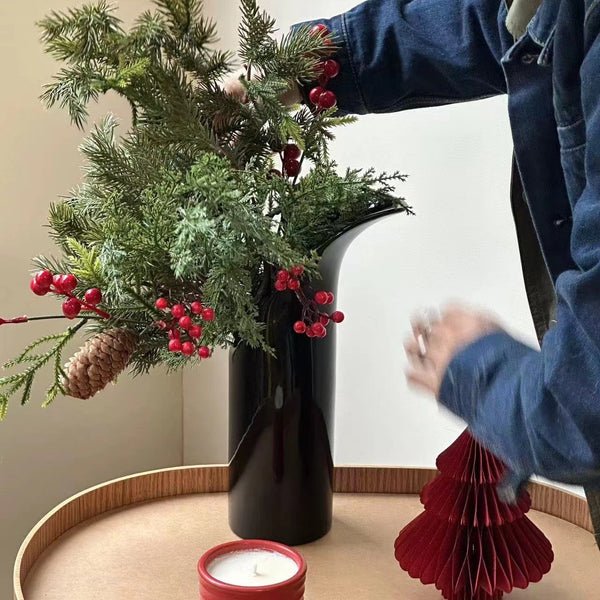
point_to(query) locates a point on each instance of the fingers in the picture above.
(234, 88)
(292, 96)
(423, 379)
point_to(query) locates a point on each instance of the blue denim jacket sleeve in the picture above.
(400, 54)
(540, 411)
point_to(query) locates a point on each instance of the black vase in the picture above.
(281, 414)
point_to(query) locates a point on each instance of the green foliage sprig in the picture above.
(185, 205)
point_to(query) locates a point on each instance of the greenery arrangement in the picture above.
(203, 199)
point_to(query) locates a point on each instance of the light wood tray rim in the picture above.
(175, 481)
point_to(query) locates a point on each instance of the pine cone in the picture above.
(98, 362)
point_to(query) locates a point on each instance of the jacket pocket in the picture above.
(572, 156)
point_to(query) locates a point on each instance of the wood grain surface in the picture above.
(213, 479)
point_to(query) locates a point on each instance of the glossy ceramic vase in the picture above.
(281, 417)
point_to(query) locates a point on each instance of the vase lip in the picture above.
(241, 545)
(373, 214)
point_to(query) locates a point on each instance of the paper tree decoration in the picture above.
(467, 542)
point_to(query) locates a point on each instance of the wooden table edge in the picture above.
(178, 481)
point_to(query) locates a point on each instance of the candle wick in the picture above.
(255, 569)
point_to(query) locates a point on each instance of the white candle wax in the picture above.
(252, 568)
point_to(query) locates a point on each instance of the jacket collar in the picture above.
(542, 26)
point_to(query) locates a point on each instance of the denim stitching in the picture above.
(567, 150)
(588, 14)
(353, 67)
(561, 127)
(543, 59)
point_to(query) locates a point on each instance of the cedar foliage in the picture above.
(183, 205)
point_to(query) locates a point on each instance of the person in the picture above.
(537, 409)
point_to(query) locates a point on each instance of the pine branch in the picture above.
(255, 31)
(73, 89)
(24, 381)
(180, 14)
(78, 34)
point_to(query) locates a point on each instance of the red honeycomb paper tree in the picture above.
(468, 543)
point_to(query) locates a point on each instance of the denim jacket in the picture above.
(539, 410)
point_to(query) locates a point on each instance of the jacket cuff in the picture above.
(465, 388)
(345, 85)
(470, 371)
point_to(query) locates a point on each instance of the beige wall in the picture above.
(48, 454)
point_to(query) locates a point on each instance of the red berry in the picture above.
(321, 297)
(327, 100)
(44, 279)
(292, 151)
(310, 332)
(338, 316)
(316, 93)
(319, 330)
(208, 314)
(297, 271)
(203, 352)
(283, 275)
(274, 173)
(324, 320)
(57, 281)
(161, 303)
(37, 289)
(195, 331)
(93, 296)
(69, 283)
(71, 308)
(185, 322)
(300, 327)
(174, 334)
(291, 167)
(178, 311)
(175, 345)
(281, 286)
(293, 284)
(197, 307)
(188, 348)
(330, 298)
(331, 68)
(319, 29)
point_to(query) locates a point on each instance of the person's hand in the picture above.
(435, 342)
(233, 86)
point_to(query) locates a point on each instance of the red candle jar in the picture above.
(225, 575)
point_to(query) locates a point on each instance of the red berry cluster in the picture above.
(184, 333)
(289, 280)
(62, 284)
(327, 70)
(314, 321)
(291, 164)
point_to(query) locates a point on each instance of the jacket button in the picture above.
(529, 58)
(560, 221)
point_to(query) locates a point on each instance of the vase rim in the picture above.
(369, 216)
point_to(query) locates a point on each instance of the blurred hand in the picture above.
(233, 86)
(435, 342)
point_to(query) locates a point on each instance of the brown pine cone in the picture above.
(98, 362)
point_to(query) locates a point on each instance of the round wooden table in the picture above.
(140, 538)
